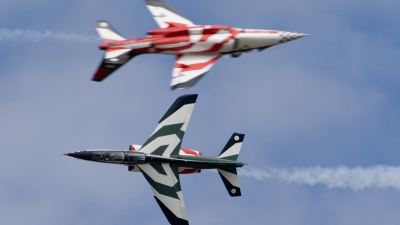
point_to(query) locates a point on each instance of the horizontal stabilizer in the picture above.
(109, 65)
(231, 181)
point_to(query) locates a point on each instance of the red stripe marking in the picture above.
(184, 32)
(101, 74)
(206, 36)
(197, 66)
(207, 32)
(187, 171)
(178, 57)
(173, 40)
(215, 48)
(172, 24)
(163, 31)
(114, 49)
(188, 151)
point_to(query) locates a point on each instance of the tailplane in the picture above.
(231, 181)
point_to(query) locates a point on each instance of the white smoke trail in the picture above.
(31, 35)
(357, 178)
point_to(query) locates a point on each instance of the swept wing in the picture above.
(190, 68)
(166, 141)
(167, 138)
(164, 181)
(166, 16)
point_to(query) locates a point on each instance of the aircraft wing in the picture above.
(189, 68)
(167, 138)
(164, 181)
(166, 16)
(113, 59)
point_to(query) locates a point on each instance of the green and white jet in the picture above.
(161, 159)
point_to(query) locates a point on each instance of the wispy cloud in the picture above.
(31, 35)
(357, 178)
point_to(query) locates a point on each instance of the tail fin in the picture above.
(107, 32)
(231, 181)
(232, 148)
(166, 140)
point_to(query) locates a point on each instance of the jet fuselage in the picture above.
(202, 39)
(133, 158)
(197, 47)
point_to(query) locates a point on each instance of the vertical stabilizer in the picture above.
(232, 148)
(107, 32)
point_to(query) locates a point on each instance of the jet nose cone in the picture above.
(80, 155)
(290, 36)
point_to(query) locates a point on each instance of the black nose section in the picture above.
(81, 155)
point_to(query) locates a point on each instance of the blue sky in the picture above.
(326, 100)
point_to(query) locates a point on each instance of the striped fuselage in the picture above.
(201, 39)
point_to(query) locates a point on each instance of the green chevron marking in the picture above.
(160, 150)
(164, 131)
(161, 188)
(158, 167)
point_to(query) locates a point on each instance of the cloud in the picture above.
(357, 178)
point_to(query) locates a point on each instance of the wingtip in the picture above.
(179, 102)
(178, 87)
(96, 78)
(150, 1)
(189, 99)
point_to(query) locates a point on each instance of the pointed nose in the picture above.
(80, 155)
(290, 36)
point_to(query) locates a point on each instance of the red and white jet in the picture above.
(197, 47)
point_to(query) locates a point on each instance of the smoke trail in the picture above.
(356, 178)
(31, 35)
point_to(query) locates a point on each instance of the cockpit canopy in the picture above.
(113, 157)
(125, 157)
(108, 156)
(136, 158)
